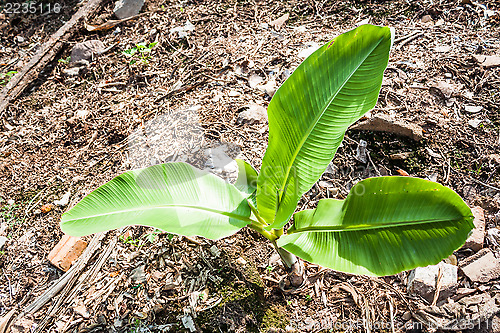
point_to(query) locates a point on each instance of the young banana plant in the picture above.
(385, 225)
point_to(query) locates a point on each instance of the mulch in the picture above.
(75, 133)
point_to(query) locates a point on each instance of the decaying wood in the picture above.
(69, 275)
(77, 280)
(31, 71)
(66, 281)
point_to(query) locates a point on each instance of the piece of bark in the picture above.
(51, 47)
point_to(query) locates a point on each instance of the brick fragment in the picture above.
(65, 253)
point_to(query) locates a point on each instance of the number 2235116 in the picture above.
(31, 8)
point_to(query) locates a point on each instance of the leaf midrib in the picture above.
(215, 211)
(370, 227)
(313, 125)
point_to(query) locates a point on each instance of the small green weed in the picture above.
(4, 78)
(64, 61)
(140, 52)
(129, 240)
(9, 213)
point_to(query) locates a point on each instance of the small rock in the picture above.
(475, 122)
(325, 184)
(481, 267)
(214, 250)
(65, 253)
(407, 316)
(384, 123)
(476, 239)
(254, 80)
(233, 93)
(279, 22)
(445, 89)
(20, 39)
(187, 322)
(73, 71)
(423, 281)
(183, 31)
(10, 202)
(64, 199)
(3, 240)
(472, 108)
(241, 261)
(452, 260)
(85, 51)
(487, 61)
(77, 179)
(138, 275)
(462, 292)
(361, 154)
(254, 115)
(127, 8)
(426, 19)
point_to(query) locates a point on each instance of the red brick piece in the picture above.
(64, 254)
(476, 239)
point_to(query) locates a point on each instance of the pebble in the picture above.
(127, 8)
(254, 115)
(214, 250)
(3, 240)
(64, 199)
(86, 51)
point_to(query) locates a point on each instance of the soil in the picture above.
(73, 134)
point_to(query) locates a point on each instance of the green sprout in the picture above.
(5, 78)
(140, 52)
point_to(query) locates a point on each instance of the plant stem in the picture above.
(287, 258)
(269, 235)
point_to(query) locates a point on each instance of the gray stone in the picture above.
(127, 8)
(85, 51)
(254, 115)
(73, 71)
(481, 267)
(3, 240)
(423, 281)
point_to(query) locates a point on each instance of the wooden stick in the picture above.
(31, 71)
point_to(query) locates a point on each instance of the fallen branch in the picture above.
(31, 71)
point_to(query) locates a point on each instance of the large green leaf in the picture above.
(311, 111)
(247, 180)
(174, 197)
(384, 226)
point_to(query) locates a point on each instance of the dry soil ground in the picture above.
(72, 134)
